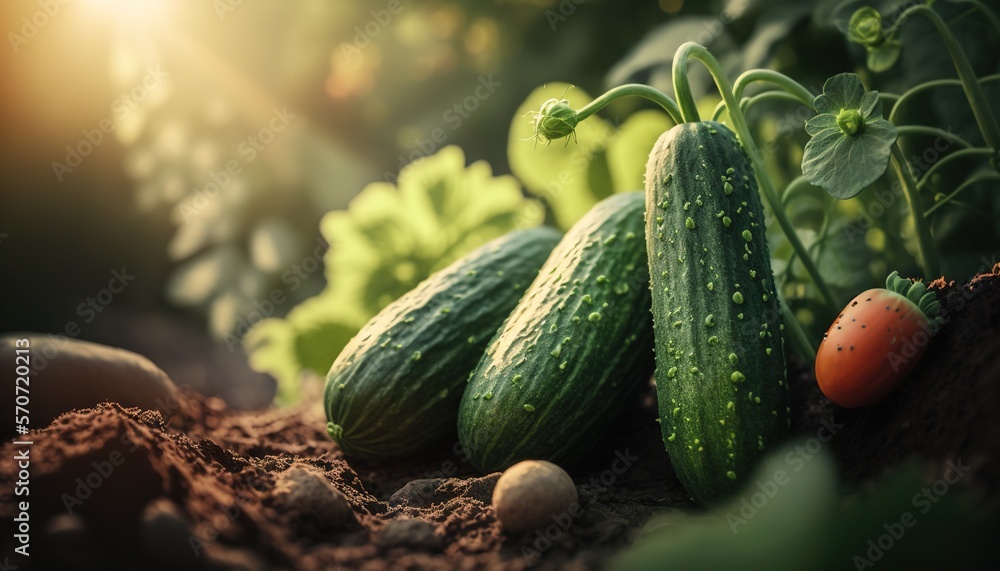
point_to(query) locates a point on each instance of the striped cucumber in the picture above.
(394, 389)
(577, 345)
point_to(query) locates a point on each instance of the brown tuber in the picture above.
(531, 493)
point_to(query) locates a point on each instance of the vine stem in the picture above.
(903, 130)
(981, 109)
(977, 5)
(927, 85)
(776, 78)
(637, 89)
(797, 335)
(975, 152)
(789, 89)
(747, 102)
(690, 112)
(968, 183)
(928, 254)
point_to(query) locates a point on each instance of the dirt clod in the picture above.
(313, 503)
(409, 533)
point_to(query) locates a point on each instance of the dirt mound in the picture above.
(122, 488)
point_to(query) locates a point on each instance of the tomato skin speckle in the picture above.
(871, 347)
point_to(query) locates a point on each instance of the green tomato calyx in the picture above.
(918, 294)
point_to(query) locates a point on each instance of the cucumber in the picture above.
(577, 345)
(721, 383)
(394, 389)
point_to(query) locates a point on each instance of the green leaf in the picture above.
(850, 141)
(842, 91)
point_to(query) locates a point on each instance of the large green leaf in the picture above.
(851, 142)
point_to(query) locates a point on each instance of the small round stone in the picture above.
(530, 493)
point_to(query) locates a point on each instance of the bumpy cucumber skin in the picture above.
(721, 382)
(576, 347)
(394, 390)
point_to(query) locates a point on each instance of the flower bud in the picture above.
(865, 27)
(850, 121)
(555, 120)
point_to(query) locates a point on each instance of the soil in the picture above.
(209, 488)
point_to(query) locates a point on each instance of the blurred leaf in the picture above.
(559, 172)
(196, 280)
(269, 345)
(656, 49)
(313, 344)
(772, 27)
(804, 523)
(946, 529)
(629, 150)
(883, 57)
(601, 160)
(273, 245)
(770, 525)
(844, 259)
(388, 240)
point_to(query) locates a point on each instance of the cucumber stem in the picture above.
(981, 109)
(686, 99)
(928, 253)
(645, 91)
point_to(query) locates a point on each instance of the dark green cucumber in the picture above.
(577, 345)
(721, 383)
(394, 390)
